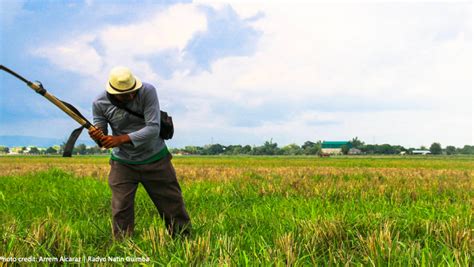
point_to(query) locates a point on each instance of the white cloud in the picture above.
(380, 53)
(171, 28)
(401, 54)
(74, 55)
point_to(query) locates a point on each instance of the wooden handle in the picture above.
(40, 90)
(63, 107)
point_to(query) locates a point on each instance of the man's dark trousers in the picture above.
(159, 180)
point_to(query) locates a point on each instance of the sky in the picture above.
(246, 72)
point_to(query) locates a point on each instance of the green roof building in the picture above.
(334, 147)
(335, 144)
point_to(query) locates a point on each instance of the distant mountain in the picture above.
(17, 140)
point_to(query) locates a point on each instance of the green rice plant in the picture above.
(249, 211)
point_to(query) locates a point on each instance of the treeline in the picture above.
(355, 146)
(435, 149)
(268, 148)
(80, 149)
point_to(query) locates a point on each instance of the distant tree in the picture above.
(368, 149)
(246, 149)
(270, 148)
(237, 150)
(22, 150)
(51, 150)
(308, 144)
(345, 149)
(397, 149)
(193, 150)
(257, 150)
(450, 150)
(233, 150)
(356, 143)
(423, 148)
(34, 150)
(382, 149)
(80, 149)
(4, 149)
(471, 150)
(214, 149)
(467, 149)
(436, 149)
(93, 150)
(311, 148)
(292, 149)
(61, 148)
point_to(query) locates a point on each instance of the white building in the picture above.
(421, 152)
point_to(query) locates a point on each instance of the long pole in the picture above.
(38, 88)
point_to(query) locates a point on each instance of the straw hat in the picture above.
(122, 81)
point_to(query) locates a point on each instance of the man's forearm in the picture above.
(109, 141)
(124, 139)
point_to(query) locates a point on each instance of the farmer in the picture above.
(139, 153)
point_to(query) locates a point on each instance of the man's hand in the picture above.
(96, 133)
(109, 141)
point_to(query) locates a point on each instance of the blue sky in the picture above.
(243, 72)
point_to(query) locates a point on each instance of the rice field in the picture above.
(246, 211)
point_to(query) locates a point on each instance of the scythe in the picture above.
(69, 109)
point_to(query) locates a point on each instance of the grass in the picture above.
(251, 211)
